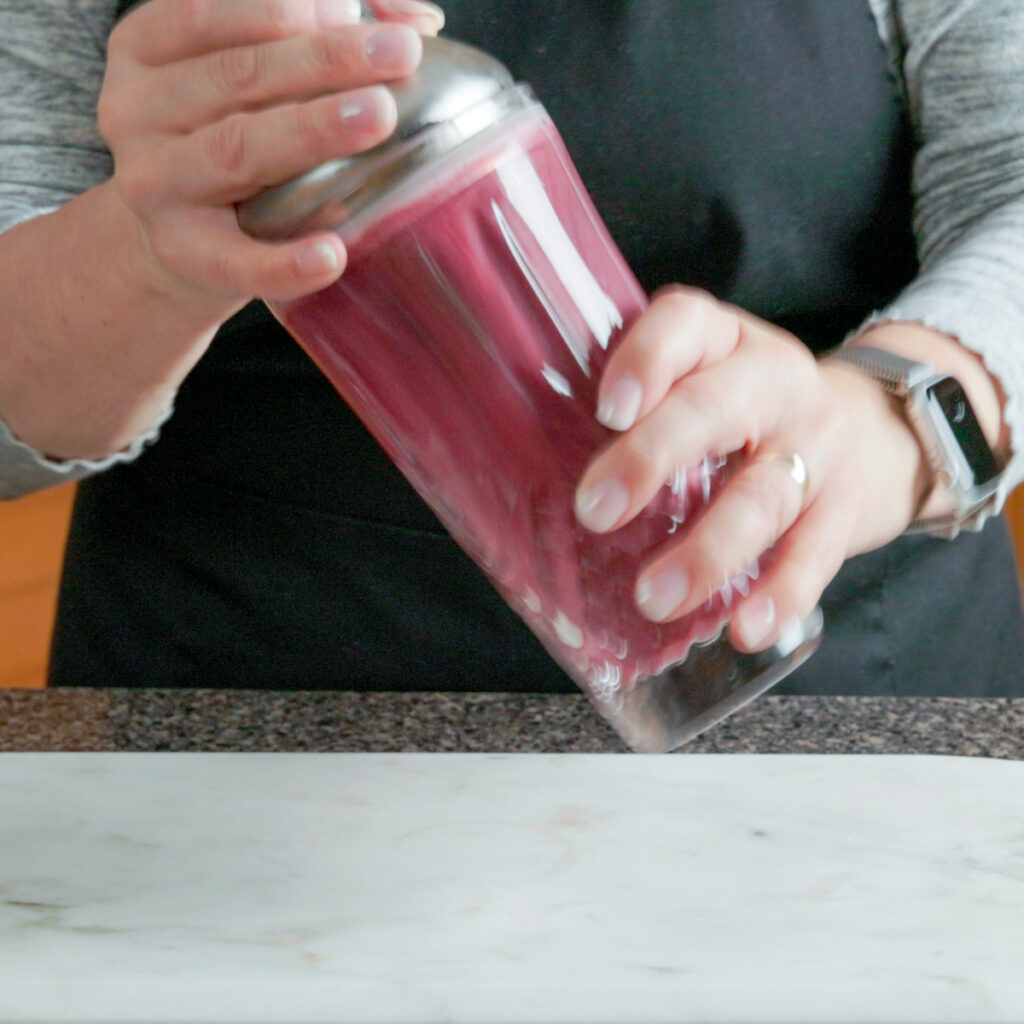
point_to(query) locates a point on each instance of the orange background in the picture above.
(32, 531)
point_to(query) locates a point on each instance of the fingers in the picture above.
(231, 160)
(207, 102)
(710, 411)
(426, 18)
(207, 254)
(701, 378)
(205, 89)
(682, 330)
(164, 31)
(807, 559)
(742, 388)
(761, 501)
(763, 508)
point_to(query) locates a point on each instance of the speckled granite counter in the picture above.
(241, 720)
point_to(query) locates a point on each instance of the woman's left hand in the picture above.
(695, 376)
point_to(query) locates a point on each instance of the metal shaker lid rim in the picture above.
(457, 94)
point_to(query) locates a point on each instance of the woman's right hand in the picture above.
(207, 102)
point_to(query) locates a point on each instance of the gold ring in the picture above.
(795, 467)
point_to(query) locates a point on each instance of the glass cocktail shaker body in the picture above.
(481, 300)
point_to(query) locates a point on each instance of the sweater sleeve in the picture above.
(52, 56)
(962, 68)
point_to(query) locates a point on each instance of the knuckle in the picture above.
(329, 54)
(281, 17)
(705, 402)
(119, 40)
(685, 295)
(139, 182)
(113, 116)
(227, 148)
(308, 128)
(684, 304)
(645, 458)
(171, 248)
(194, 17)
(760, 495)
(685, 299)
(803, 367)
(700, 311)
(165, 247)
(238, 70)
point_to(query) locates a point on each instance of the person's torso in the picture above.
(756, 148)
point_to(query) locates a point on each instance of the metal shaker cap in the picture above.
(457, 92)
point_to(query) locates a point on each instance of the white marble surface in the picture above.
(517, 888)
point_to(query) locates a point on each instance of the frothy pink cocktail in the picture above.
(469, 333)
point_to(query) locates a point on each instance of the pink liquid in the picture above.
(469, 333)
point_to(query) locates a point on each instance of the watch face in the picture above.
(960, 416)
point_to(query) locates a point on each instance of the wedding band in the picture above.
(795, 467)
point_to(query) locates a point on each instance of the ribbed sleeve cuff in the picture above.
(23, 469)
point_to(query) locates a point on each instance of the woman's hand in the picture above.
(207, 102)
(694, 376)
(110, 300)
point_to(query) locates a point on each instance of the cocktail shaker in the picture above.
(482, 297)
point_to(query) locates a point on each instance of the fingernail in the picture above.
(416, 9)
(393, 48)
(317, 259)
(337, 13)
(365, 109)
(754, 620)
(659, 596)
(600, 508)
(621, 404)
(790, 636)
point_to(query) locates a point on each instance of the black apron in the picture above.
(758, 149)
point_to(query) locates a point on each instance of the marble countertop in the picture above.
(240, 720)
(220, 857)
(510, 889)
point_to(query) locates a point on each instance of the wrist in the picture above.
(93, 348)
(885, 453)
(948, 356)
(963, 465)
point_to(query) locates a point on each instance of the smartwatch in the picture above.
(941, 416)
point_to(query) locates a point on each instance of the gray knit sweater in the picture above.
(961, 63)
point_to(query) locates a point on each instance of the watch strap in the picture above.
(902, 377)
(893, 372)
